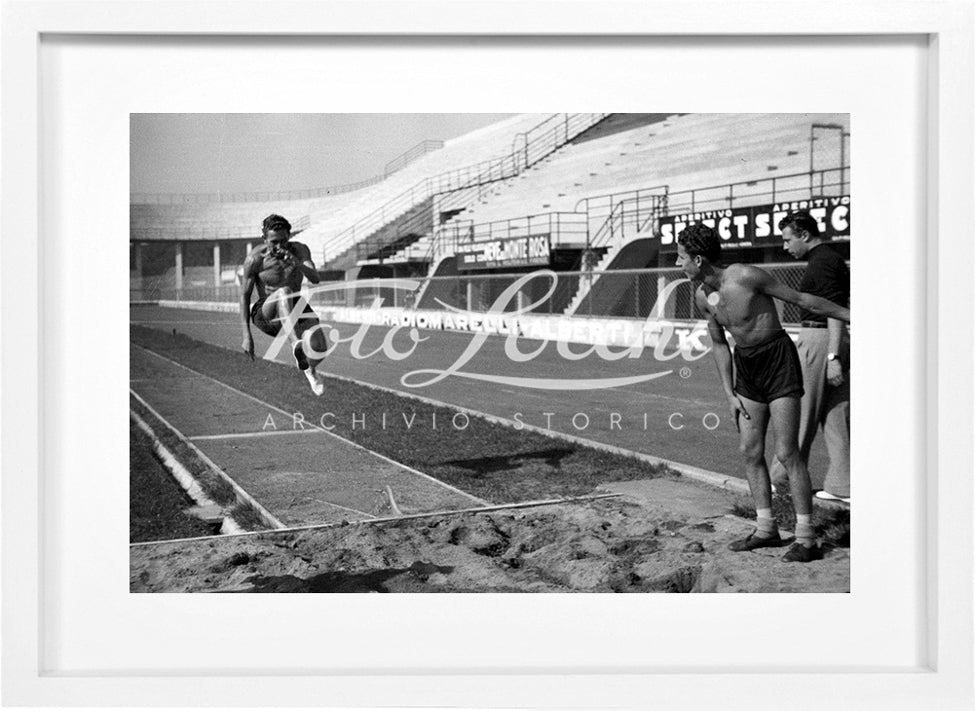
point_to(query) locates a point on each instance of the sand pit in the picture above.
(656, 538)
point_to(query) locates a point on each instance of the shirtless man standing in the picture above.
(767, 380)
(277, 269)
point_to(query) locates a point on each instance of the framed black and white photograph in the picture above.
(419, 442)
(397, 320)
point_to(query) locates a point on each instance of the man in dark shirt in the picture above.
(824, 348)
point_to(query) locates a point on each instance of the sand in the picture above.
(657, 536)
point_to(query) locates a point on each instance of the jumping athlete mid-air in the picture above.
(766, 382)
(277, 269)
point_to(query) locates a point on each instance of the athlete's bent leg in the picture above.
(276, 310)
(316, 339)
(785, 423)
(752, 447)
(289, 311)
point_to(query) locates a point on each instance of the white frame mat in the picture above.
(943, 676)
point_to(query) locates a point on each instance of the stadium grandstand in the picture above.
(597, 198)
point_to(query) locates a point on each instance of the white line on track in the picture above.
(180, 473)
(245, 495)
(390, 519)
(247, 434)
(402, 466)
(244, 435)
(178, 323)
(346, 508)
(650, 395)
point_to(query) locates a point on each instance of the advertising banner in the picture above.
(511, 252)
(758, 226)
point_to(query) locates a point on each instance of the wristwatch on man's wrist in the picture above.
(832, 356)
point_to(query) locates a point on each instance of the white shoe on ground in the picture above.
(316, 381)
(826, 496)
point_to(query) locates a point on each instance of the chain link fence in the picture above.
(666, 293)
(611, 294)
(615, 293)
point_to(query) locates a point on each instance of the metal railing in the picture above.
(417, 151)
(547, 136)
(455, 180)
(420, 225)
(204, 232)
(630, 293)
(394, 236)
(621, 215)
(193, 233)
(398, 163)
(623, 293)
(831, 182)
(562, 227)
(612, 217)
(528, 148)
(225, 293)
(258, 196)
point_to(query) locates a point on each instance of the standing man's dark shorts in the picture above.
(273, 327)
(768, 370)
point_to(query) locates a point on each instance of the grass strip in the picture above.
(213, 485)
(156, 501)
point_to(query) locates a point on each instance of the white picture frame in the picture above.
(944, 678)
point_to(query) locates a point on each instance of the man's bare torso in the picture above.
(748, 314)
(272, 273)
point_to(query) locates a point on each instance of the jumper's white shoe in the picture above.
(826, 496)
(316, 381)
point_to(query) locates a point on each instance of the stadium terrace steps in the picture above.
(616, 255)
(418, 251)
(329, 215)
(738, 147)
(551, 136)
(433, 291)
(390, 238)
(604, 296)
(202, 221)
(482, 145)
(617, 123)
(619, 154)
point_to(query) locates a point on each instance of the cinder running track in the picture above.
(302, 477)
(668, 417)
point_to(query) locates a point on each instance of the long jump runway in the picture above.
(680, 417)
(302, 477)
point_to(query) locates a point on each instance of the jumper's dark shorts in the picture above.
(769, 370)
(273, 327)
